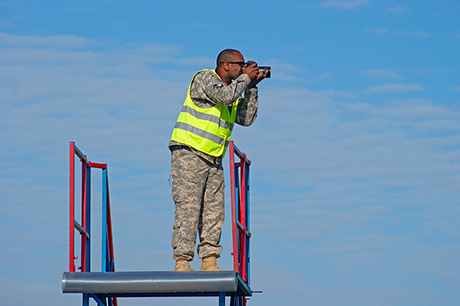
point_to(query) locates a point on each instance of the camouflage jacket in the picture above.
(207, 90)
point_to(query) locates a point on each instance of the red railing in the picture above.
(108, 259)
(239, 180)
(74, 223)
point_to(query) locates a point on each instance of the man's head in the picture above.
(229, 63)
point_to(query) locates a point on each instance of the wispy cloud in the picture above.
(386, 31)
(201, 26)
(325, 75)
(388, 88)
(379, 31)
(201, 61)
(346, 5)
(381, 74)
(57, 41)
(414, 34)
(399, 9)
(295, 48)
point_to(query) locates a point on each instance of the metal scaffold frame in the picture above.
(105, 286)
(239, 185)
(108, 260)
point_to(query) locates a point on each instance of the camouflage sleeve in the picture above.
(247, 107)
(207, 86)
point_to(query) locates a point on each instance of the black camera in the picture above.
(266, 68)
(262, 69)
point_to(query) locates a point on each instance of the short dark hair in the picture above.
(225, 56)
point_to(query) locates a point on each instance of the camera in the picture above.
(262, 69)
(266, 68)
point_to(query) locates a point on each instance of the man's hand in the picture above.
(252, 71)
(259, 77)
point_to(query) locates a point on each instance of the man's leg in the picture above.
(213, 214)
(189, 174)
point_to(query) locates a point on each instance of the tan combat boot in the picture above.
(182, 265)
(209, 264)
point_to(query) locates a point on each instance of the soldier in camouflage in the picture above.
(197, 177)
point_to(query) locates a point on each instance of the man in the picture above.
(200, 137)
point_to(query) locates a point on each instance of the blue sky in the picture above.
(356, 164)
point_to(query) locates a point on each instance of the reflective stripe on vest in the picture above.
(205, 129)
(199, 115)
(201, 133)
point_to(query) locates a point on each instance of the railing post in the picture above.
(242, 218)
(235, 253)
(248, 229)
(72, 209)
(239, 184)
(84, 187)
(87, 226)
(104, 222)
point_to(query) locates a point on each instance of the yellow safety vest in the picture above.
(205, 129)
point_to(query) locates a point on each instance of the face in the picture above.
(235, 70)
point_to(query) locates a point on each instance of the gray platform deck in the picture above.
(160, 283)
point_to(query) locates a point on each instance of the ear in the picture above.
(226, 66)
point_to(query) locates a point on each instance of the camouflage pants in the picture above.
(198, 192)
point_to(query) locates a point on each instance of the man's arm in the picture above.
(247, 107)
(208, 86)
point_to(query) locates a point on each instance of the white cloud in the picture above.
(325, 75)
(388, 88)
(57, 41)
(295, 48)
(413, 34)
(399, 9)
(378, 31)
(201, 25)
(419, 112)
(346, 5)
(386, 31)
(200, 61)
(381, 74)
(419, 101)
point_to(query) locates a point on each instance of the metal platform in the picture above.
(145, 284)
(106, 286)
